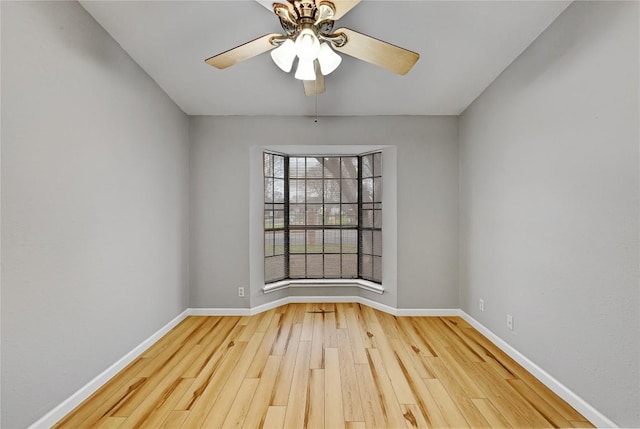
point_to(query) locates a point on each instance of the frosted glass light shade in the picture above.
(307, 45)
(329, 60)
(284, 55)
(305, 70)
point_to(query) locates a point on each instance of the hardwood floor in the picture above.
(323, 365)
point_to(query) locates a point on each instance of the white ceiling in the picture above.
(463, 47)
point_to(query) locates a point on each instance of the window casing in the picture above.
(322, 217)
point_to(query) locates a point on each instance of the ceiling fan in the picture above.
(309, 36)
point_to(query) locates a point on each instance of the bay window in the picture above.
(322, 217)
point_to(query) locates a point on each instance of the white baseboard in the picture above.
(219, 312)
(323, 299)
(593, 415)
(53, 416)
(561, 390)
(429, 312)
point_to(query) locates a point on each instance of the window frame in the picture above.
(285, 211)
(373, 278)
(375, 206)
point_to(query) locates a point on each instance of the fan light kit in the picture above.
(309, 37)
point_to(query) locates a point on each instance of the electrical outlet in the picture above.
(510, 322)
(240, 291)
(481, 304)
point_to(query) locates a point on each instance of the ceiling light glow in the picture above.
(328, 59)
(284, 55)
(307, 45)
(308, 48)
(306, 70)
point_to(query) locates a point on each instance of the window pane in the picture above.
(314, 167)
(314, 214)
(268, 164)
(332, 266)
(331, 241)
(278, 248)
(278, 219)
(349, 191)
(296, 191)
(296, 241)
(268, 243)
(268, 190)
(297, 264)
(332, 167)
(377, 269)
(349, 266)
(349, 214)
(367, 190)
(273, 269)
(315, 266)
(315, 190)
(296, 167)
(377, 219)
(377, 189)
(349, 241)
(278, 166)
(314, 241)
(296, 214)
(367, 267)
(332, 214)
(367, 166)
(377, 243)
(377, 164)
(367, 218)
(278, 191)
(367, 242)
(331, 191)
(268, 219)
(350, 167)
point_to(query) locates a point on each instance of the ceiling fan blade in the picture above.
(270, 3)
(342, 7)
(314, 87)
(378, 52)
(242, 52)
(267, 3)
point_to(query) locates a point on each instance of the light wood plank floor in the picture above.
(323, 365)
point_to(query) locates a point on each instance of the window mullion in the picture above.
(360, 213)
(340, 208)
(323, 214)
(306, 216)
(286, 217)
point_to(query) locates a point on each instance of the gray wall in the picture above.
(94, 204)
(94, 200)
(549, 205)
(427, 200)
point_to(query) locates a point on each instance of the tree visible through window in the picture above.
(323, 217)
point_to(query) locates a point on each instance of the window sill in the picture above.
(362, 284)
